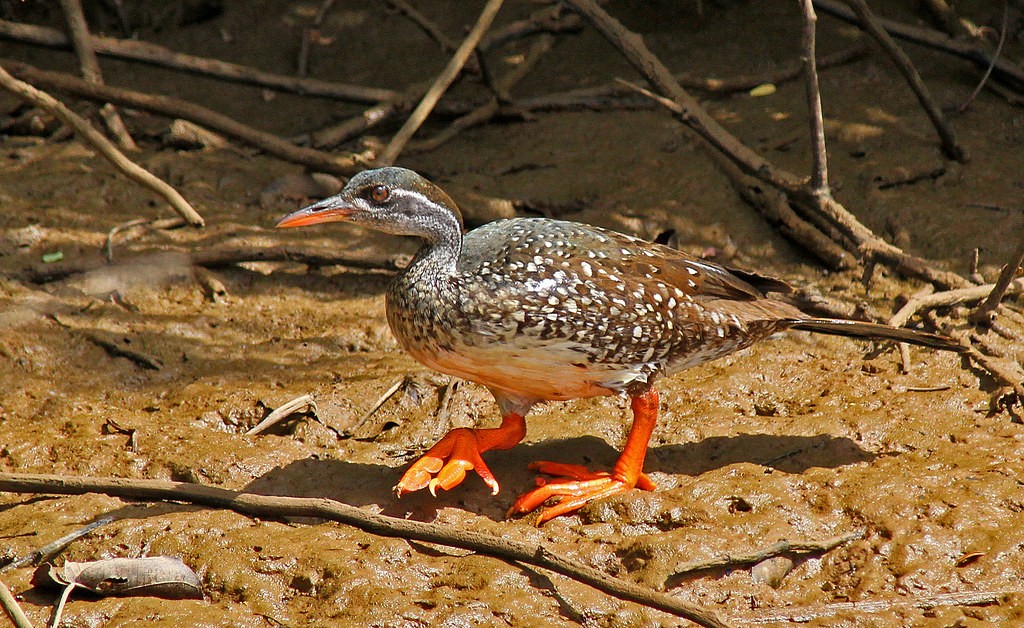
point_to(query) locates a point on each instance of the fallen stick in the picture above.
(305, 402)
(986, 311)
(593, 97)
(806, 614)
(824, 213)
(871, 25)
(133, 171)
(12, 608)
(921, 302)
(441, 84)
(689, 111)
(320, 161)
(219, 256)
(819, 172)
(448, 46)
(771, 204)
(776, 549)
(91, 72)
(53, 548)
(263, 506)
(158, 55)
(487, 111)
(1003, 68)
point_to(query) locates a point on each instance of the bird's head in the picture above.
(392, 200)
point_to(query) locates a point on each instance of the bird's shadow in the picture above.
(361, 484)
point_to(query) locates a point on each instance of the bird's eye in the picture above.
(380, 193)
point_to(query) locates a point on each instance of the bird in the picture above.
(538, 310)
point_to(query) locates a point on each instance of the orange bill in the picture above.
(327, 210)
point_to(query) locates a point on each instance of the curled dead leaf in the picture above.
(156, 576)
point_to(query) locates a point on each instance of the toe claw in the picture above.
(576, 487)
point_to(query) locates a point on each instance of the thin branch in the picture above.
(215, 256)
(782, 547)
(980, 56)
(690, 112)
(770, 203)
(869, 23)
(96, 139)
(158, 55)
(51, 549)
(995, 57)
(806, 614)
(12, 608)
(273, 506)
(282, 412)
(824, 213)
(320, 161)
(502, 87)
(431, 29)
(441, 84)
(155, 224)
(388, 394)
(819, 174)
(79, 30)
(921, 302)
(357, 125)
(986, 311)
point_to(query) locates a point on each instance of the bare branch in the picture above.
(96, 139)
(503, 548)
(163, 57)
(869, 23)
(165, 105)
(441, 84)
(79, 30)
(819, 174)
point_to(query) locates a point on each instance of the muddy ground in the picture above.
(798, 438)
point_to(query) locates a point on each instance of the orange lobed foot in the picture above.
(446, 463)
(575, 487)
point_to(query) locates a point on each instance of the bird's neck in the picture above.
(438, 257)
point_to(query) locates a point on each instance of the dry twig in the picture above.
(986, 311)
(50, 550)
(79, 30)
(869, 23)
(920, 302)
(810, 613)
(152, 223)
(96, 139)
(1005, 69)
(388, 394)
(12, 608)
(776, 549)
(285, 410)
(431, 29)
(995, 57)
(824, 213)
(819, 173)
(441, 84)
(487, 111)
(219, 257)
(154, 54)
(273, 506)
(175, 108)
(309, 32)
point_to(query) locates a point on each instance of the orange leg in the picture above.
(579, 486)
(446, 463)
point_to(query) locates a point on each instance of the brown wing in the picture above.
(700, 277)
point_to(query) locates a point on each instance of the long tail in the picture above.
(859, 329)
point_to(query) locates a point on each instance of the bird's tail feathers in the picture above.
(859, 329)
